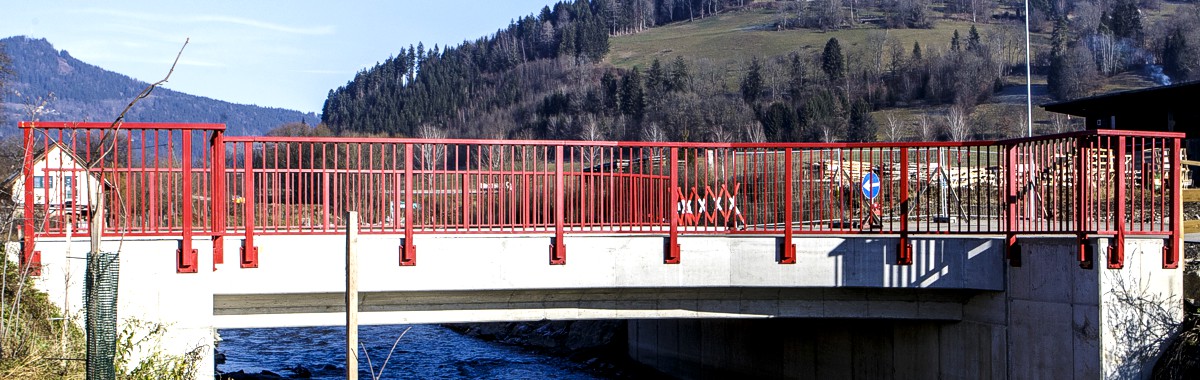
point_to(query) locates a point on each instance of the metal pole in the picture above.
(1028, 77)
(352, 295)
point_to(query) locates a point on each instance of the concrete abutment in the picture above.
(1054, 320)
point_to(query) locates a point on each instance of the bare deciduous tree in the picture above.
(753, 132)
(430, 154)
(893, 126)
(956, 123)
(925, 127)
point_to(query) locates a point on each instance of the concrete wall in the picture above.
(1055, 321)
(483, 278)
(818, 349)
(149, 291)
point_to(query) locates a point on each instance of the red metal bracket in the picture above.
(249, 254)
(1170, 255)
(787, 251)
(218, 250)
(670, 251)
(1086, 253)
(185, 258)
(1116, 252)
(408, 253)
(904, 252)
(1012, 251)
(558, 251)
(32, 263)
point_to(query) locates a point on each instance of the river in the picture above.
(424, 352)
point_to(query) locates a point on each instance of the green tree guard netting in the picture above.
(100, 298)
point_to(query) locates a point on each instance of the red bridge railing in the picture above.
(189, 179)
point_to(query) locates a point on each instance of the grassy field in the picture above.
(732, 39)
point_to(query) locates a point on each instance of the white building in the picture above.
(60, 181)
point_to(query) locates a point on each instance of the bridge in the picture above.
(1007, 252)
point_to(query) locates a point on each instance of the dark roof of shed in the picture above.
(1181, 94)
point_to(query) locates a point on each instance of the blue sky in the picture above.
(286, 54)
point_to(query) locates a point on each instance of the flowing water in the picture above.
(424, 352)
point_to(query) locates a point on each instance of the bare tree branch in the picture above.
(146, 92)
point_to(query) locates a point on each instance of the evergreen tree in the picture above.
(656, 82)
(680, 78)
(916, 53)
(611, 87)
(797, 77)
(1180, 59)
(633, 95)
(862, 126)
(779, 122)
(752, 84)
(1125, 20)
(832, 60)
(954, 44)
(973, 43)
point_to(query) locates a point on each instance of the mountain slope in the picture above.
(85, 92)
(769, 71)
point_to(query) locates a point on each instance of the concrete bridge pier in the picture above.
(149, 292)
(1055, 320)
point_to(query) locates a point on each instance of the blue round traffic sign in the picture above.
(870, 185)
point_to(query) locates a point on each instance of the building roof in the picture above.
(42, 156)
(1142, 109)
(1179, 93)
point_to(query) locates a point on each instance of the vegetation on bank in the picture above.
(730, 70)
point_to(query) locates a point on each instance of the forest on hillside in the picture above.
(545, 76)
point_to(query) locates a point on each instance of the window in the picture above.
(68, 189)
(46, 182)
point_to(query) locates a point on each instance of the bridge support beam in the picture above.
(408, 250)
(904, 251)
(558, 250)
(671, 248)
(249, 252)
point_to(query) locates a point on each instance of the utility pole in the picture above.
(352, 295)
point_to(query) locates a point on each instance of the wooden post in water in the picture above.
(352, 295)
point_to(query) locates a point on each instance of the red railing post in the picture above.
(249, 250)
(30, 260)
(466, 196)
(671, 250)
(558, 250)
(1012, 251)
(217, 203)
(1116, 250)
(904, 250)
(1171, 251)
(1082, 225)
(408, 251)
(185, 258)
(787, 252)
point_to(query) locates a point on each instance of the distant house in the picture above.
(60, 181)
